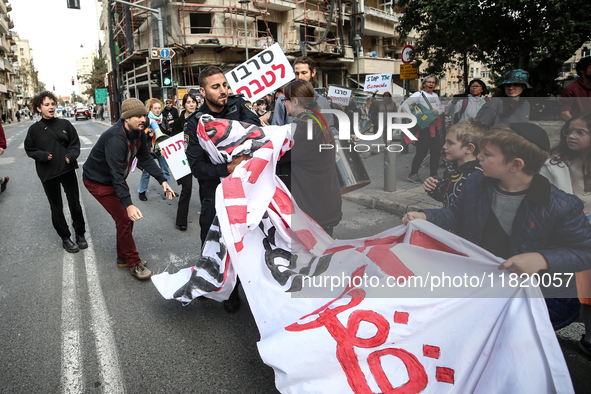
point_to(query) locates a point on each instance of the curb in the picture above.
(391, 202)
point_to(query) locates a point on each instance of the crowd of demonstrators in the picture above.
(214, 89)
(576, 97)
(513, 212)
(105, 172)
(307, 172)
(466, 105)
(54, 145)
(428, 138)
(155, 123)
(510, 106)
(186, 182)
(4, 179)
(569, 169)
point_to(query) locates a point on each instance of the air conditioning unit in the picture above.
(377, 41)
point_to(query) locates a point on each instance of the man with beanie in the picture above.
(105, 172)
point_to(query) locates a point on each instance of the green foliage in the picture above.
(535, 35)
(96, 79)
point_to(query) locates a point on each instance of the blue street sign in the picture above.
(164, 53)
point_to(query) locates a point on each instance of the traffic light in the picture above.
(166, 72)
(72, 81)
(155, 77)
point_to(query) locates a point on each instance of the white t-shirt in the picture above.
(417, 97)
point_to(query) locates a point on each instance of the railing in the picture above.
(382, 14)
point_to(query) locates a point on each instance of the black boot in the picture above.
(232, 304)
(70, 246)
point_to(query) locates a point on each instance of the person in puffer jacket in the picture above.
(515, 213)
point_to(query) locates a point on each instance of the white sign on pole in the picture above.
(339, 95)
(377, 82)
(261, 74)
(173, 150)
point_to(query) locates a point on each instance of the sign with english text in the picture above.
(377, 82)
(261, 74)
(173, 150)
(339, 95)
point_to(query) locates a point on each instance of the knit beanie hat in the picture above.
(132, 107)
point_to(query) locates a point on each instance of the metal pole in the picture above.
(390, 170)
(245, 35)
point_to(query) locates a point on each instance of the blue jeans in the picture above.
(146, 176)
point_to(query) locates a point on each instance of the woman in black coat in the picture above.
(186, 182)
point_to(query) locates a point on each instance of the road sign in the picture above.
(408, 54)
(407, 71)
(101, 95)
(161, 53)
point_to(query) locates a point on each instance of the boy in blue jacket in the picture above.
(516, 214)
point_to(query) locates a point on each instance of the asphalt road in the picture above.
(77, 323)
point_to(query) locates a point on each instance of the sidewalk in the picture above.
(408, 196)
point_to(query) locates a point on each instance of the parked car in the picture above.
(82, 113)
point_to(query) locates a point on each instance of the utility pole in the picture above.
(245, 29)
(155, 11)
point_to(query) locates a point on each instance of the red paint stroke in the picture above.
(444, 375)
(431, 351)
(401, 317)
(423, 240)
(389, 262)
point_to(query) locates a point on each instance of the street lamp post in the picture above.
(243, 2)
(357, 42)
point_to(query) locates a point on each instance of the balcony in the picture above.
(3, 9)
(380, 23)
(3, 24)
(5, 45)
(10, 24)
(8, 66)
(374, 65)
(277, 5)
(8, 7)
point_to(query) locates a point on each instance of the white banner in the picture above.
(339, 95)
(334, 315)
(261, 74)
(173, 150)
(377, 82)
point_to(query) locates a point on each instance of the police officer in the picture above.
(214, 89)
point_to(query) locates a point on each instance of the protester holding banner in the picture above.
(155, 124)
(186, 182)
(54, 145)
(568, 169)
(308, 172)
(214, 89)
(106, 169)
(425, 105)
(516, 214)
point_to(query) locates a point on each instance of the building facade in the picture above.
(8, 56)
(83, 70)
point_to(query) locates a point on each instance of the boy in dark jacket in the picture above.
(516, 214)
(461, 149)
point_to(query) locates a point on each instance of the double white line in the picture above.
(72, 380)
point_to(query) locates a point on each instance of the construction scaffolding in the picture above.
(126, 23)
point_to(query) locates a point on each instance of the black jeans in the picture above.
(426, 144)
(182, 212)
(69, 183)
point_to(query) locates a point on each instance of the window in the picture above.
(22, 51)
(200, 23)
(485, 74)
(307, 33)
(262, 29)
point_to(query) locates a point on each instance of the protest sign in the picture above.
(377, 82)
(339, 95)
(351, 340)
(261, 74)
(173, 150)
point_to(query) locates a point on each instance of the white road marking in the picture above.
(71, 381)
(6, 160)
(21, 146)
(86, 140)
(106, 348)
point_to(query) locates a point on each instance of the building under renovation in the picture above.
(346, 38)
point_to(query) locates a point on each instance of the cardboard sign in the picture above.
(339, 95)
(173, 150)
(407, 71)
(262, 74)
(377, 82)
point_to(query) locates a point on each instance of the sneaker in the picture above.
(585, 346)
(143, 196)
(3, 184)
(70, 246)
(81, 241)
(414, 178)
(121, 263)
(140, 271)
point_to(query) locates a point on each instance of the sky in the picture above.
(55, 34)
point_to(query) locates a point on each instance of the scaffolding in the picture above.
(125, 26)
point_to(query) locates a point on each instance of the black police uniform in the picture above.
(207, 173)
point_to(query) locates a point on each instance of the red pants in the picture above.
(107, 197)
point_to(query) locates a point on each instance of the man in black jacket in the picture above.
(105, 172)
(169, 115)
(214, 89)
(54, 145)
